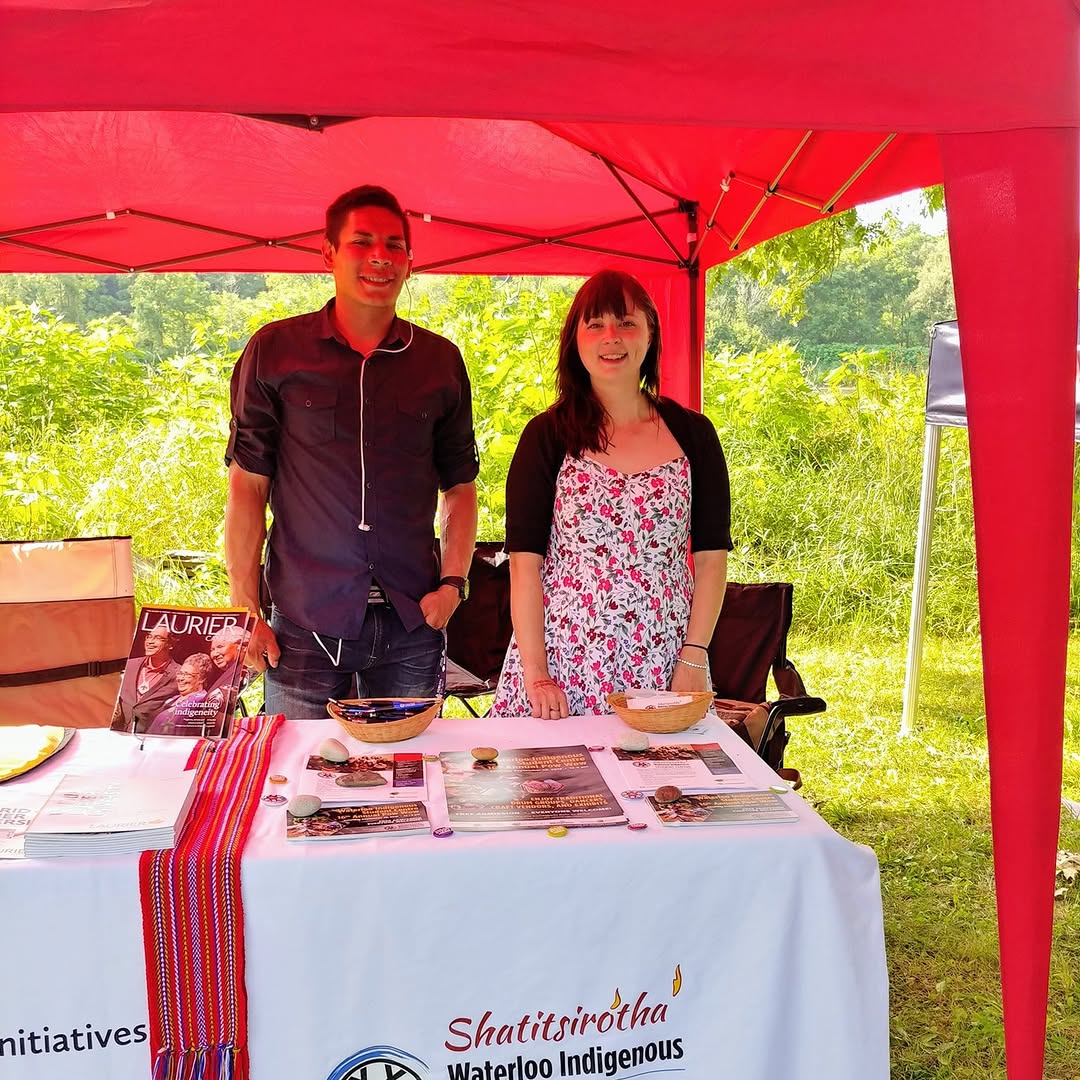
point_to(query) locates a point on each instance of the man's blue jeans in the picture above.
(385, 661)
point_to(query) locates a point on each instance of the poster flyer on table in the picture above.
(532, 788)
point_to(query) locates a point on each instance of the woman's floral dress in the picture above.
(617, 585)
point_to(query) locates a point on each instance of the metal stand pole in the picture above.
(931, 453)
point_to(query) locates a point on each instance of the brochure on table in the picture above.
(723, 808)
(18, 807)
(365, 778)
(531, 788)
(689, 766)
(348, 822)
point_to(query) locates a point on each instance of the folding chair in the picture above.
(750, 640)
(479, 633)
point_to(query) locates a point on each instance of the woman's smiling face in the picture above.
(613, 347)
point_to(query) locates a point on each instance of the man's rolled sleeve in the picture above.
(254, 426)
(457, 460)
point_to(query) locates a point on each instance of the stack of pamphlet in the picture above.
(184, 672)
(532, 788)
(98, 815)
(689, 766)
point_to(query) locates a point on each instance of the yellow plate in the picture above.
(26, 746)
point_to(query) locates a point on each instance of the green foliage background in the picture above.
(119, 427)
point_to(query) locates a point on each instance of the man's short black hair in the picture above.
(355, 199)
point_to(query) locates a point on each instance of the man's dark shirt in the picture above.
(302, 399)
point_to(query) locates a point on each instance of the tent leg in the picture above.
(931, 455)
(1013, 192)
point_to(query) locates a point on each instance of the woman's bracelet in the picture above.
(696, 667)
(691, 645)
(545, 682)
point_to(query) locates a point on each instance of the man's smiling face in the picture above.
(370, 261)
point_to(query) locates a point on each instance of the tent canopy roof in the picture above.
(526, 138)
(922, 66)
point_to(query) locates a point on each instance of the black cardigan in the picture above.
(530, 484)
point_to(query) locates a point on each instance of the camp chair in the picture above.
(67, 615)
(750, 640)
(479, 633)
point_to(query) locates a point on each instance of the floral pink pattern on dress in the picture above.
(617, 585)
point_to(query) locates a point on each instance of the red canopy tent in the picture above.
(551, 137)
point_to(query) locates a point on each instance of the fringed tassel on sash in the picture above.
(193, 924)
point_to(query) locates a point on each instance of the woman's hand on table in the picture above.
(546, 698)
(691, 680)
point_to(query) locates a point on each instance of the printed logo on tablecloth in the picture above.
(380, 1063)
(629, 1037)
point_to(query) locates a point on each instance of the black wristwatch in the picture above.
(459, 583)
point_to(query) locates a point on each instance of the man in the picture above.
(349, 421)
(147, 683)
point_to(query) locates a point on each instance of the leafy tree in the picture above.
(165, 309)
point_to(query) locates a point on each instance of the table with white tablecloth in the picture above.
(746, 951)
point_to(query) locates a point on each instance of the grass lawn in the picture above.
(923, 804)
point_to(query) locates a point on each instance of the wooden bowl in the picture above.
(665, 720)
(391, 730)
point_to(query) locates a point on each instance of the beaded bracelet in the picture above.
(691, 645)
(697, 667)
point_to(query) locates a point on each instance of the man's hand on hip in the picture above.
(438, 606)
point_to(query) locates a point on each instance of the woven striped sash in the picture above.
(193, 917)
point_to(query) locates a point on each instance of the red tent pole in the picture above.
(680, 301)
(1013, 224)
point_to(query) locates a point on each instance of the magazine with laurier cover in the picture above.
(724, 808)
(531, 788)
(346, 822)
(365, 778)
(690, 766)
(184, 672)
(98, 814)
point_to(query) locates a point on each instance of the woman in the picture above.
(195, 710)
(599, 516)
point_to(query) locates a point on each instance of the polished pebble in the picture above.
(594, 749)
(333, 750)
(780, 789)
(633, 795)
(277, 778)
(637, 826)
(668, 793)
(304, 805)
(633, 741)
(557, 830)
(484, 753)
(442, 832)
(274, 800)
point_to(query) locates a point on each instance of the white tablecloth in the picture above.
(737, 951)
